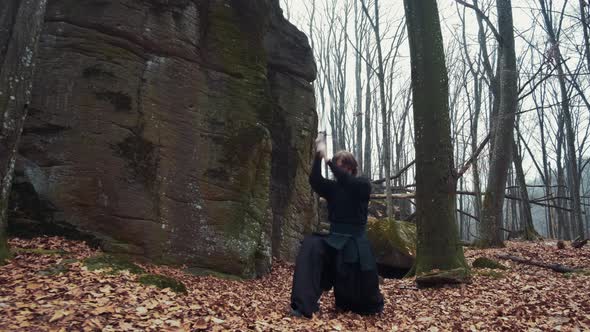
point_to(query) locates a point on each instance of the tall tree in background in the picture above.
(554, 52)
(21, 22)
(527, 218)
(375, 25)
(358, 111)
(584, 20)
(368, 138)
(502, 130)
(438, 246)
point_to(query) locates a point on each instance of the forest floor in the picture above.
(49, 286)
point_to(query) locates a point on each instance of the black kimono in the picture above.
(342, 259)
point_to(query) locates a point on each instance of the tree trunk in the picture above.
(546, 175)
(502, 131)
(527, 217)
(584, 20)
(563, 224)
(570, 133)
(438, 245)
(474, 146)
(511, 220)
(461, 216)
(386, 124)
(358, 146)
(368, 139)
(21, 22)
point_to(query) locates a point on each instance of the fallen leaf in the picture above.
(201, 324)
(217, 320)
(101, 310)
(59, 314)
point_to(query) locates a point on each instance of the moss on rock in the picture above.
(441, 277)
(113, 264)
(486, 263)
(162, 282)
(393, 242)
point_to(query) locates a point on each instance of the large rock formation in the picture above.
(178, 130)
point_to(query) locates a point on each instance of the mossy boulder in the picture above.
(393, 243)
(486, 263)
(162, 282)
(443, 277)
(112, 264)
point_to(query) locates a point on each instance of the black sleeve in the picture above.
(318, 183)
(360, 185)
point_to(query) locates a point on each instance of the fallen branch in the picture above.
(402, 196)
(555, 267)
(412, 194)
(470, 193)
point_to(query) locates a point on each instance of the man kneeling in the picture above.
(343, 258)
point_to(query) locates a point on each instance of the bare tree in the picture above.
(526, 216)
(359, 35)
(570, 134)
(375, 25)
(368, 142)
(504, 87)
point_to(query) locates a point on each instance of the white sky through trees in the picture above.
(529, 30)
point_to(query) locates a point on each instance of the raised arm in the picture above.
(360, 185)
(318, 183)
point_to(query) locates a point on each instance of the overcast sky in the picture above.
(524, 13)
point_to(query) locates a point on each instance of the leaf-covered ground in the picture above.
(47, 287)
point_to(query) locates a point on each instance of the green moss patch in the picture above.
(490, 273)
(59, 268)
(386, 234)
(576, 273)
(442, 277)
(113, 264)
(162, 282)
(40, 251)
(486, 263)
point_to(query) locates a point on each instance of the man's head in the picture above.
(346, 161)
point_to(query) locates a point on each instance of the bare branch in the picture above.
(400, 173)
(484, 17)
(471, 159)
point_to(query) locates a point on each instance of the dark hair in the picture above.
(347, 160)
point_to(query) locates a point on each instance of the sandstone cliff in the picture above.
(177, 130)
